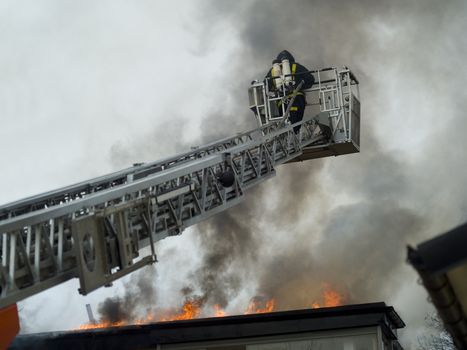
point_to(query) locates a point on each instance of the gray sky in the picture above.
(87, 88)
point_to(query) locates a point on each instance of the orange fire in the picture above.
(330, 298)
(105, 324)
(315, 305)
(190, 309)
(148, 319)
(218, 311)
(258, 306)
(193, 308)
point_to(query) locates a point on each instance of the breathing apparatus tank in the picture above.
(276, 74)
(286, 71)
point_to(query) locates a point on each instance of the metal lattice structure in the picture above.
(96, 230)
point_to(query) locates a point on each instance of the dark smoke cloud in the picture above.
(361, 246)
(225, 261)
(138, 300)
(233, 243)
(410, 59)
(396, 48)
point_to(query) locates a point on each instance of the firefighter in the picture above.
(293, 73)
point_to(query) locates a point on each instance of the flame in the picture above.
(105, 324)
(315, 305)
(190, 309)
(331, 298)
(218, 311)
(257, 306)
(193, 308)
(148, 319)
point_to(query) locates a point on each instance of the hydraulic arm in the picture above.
(102, 229)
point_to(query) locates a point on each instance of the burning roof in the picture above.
(212, 329)
(195, 306)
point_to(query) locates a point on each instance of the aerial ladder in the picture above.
(105, 228)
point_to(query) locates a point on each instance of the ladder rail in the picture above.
(44, 247)
(80, 189)
(99, 230)
(83, 188)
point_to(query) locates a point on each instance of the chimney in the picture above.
(92, 320)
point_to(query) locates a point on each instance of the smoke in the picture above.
(342, 221)
(154, 144)
(360, 246)
(138, 300)
(219, 277)
(402, 54)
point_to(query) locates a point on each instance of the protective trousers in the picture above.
(297, 110)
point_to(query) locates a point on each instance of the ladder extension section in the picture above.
(96, 230)
(102, 229)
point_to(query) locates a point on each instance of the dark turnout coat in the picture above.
(299, 72)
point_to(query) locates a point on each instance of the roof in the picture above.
(442, 265)
(443, 252)
(220, 328)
